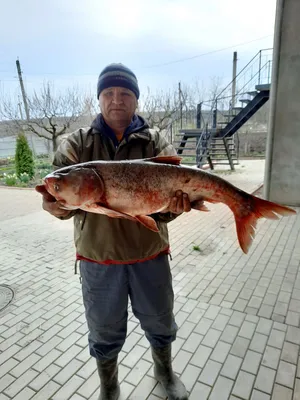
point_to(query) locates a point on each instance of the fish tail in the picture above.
(246, 218)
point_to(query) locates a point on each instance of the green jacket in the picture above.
(112, 240)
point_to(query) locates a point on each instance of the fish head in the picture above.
(75, 187)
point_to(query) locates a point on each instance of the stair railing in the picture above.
(264, 71)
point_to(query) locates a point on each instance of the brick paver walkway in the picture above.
(238, 314)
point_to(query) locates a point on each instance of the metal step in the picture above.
(222, 156)
(243, 116)
(247, 101)
(181, 140)
(216, 140)
(220, 138)
(253, 93)
(231, 147)
(261, 87)
(190, 132)
(189, 136)
(225, 156)
(224, 163)
(186, 148)
(220, 151)
(221, 144)
(184, 143)
(185, 140)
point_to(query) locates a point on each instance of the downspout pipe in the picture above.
(273, 96)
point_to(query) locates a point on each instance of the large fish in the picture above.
(134, 189)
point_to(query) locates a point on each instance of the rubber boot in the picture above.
(163, 372)
(108, 373)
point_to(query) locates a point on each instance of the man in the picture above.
(120, 258)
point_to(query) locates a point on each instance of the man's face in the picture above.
(117, 104)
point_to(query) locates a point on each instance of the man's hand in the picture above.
(50, 204)
(180, 203)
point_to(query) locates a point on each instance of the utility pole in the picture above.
(180, 103)
(234, 77)
(22, 89)
(25, 101)
(20, 108)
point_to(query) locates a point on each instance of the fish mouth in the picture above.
(49, 184)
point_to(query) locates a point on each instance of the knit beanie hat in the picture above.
(117, 75)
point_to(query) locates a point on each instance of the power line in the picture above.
(150, 66)
(205, 54)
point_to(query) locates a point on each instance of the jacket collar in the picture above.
(138, 129)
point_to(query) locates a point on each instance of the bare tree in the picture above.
(164, 109)
(51, 113)
(91, 106)
(160, 108)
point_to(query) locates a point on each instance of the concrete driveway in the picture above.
(238, 314)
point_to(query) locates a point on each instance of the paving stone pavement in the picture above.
(238, 315)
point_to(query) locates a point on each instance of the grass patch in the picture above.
(42, 167)
(188, 159)
(196, 248)
(223, 171)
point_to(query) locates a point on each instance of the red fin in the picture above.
(198, 205)
(99, 209)
(247, 220)
(143, 219)
(210, 200)
(148, 222)
(174, 160)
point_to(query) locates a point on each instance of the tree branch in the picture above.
(51, 112)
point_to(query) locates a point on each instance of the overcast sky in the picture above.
(70, 41)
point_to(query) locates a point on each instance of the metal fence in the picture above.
(8, 145)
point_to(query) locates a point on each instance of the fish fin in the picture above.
(148, 222)
(211, 200)
(174, 160)
(198, 205)
(143, 219)
(100, 209)
(246, 219)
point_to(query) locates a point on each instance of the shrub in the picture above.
(10, 180)
(24, 177)
(45, 165)
(24, 158)
(44, 172)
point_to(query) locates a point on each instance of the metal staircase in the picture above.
(215, 140)
(236, 120)
(222, 150)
